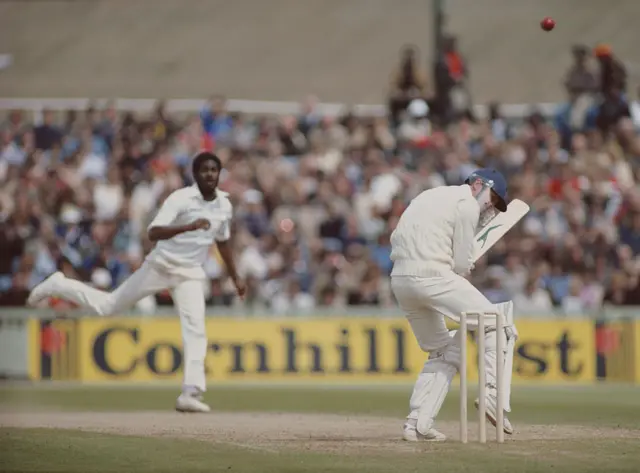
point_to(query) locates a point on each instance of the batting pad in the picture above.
(510, 334)
(430, 391)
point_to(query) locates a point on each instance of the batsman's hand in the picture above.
(201, 224)
(467, 273)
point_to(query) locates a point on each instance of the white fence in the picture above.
(36, 105)
(608, 313)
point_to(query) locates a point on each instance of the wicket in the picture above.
(482, 409)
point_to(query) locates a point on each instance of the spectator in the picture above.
(451, 74)
(18, 292)
(572, 303)
(370, 291)
(557, 283)
(533, 300)
(500, 128)
(216, 122)
(381, 252)
(309, 115)
(580, 79)
(293, 141)
(10, 153)
(494, 289)
(15, 124)
(384, 186)
(582, 86)
(613, 108)
(162, 126)
(254, 215)
(47, 135)
(105, 129)
(414, 126)
(613, 74)
(218, 296)
(12, 242)
(592, 292)
(292, 299)
(515, 276)
(109, 196)
(619, 288)
(408, 83)
(333, 227)
(316, 200)
(630, 233)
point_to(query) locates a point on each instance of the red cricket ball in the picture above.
(547, 23)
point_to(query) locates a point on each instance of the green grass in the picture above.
(603, 405)
(41, 450)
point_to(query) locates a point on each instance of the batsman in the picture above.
(432, 249)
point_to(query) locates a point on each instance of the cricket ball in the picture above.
(548, 23)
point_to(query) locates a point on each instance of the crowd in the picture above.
(316, 198)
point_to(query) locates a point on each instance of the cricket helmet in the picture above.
(496, 181)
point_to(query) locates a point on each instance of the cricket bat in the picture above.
(498, 226)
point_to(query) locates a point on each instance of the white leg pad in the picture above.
(433, 384)
(510, 336)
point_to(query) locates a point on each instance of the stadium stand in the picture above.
(340, 50)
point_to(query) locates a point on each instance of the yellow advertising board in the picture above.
(555, 350)
(277, 350)
(317, 349)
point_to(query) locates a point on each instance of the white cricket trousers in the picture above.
(188, 297)
(427, 301)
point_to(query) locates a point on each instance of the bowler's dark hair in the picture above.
(201, 158)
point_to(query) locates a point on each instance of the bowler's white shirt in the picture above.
(185, 254)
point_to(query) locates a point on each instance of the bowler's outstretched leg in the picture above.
(145, 281)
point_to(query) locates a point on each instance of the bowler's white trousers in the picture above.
(188, 297)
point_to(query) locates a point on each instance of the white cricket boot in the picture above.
(491, 404)
(45, 289)
(411, 434)
(191, 402)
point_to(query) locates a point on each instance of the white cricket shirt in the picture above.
(435, 233)
(186, 253)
